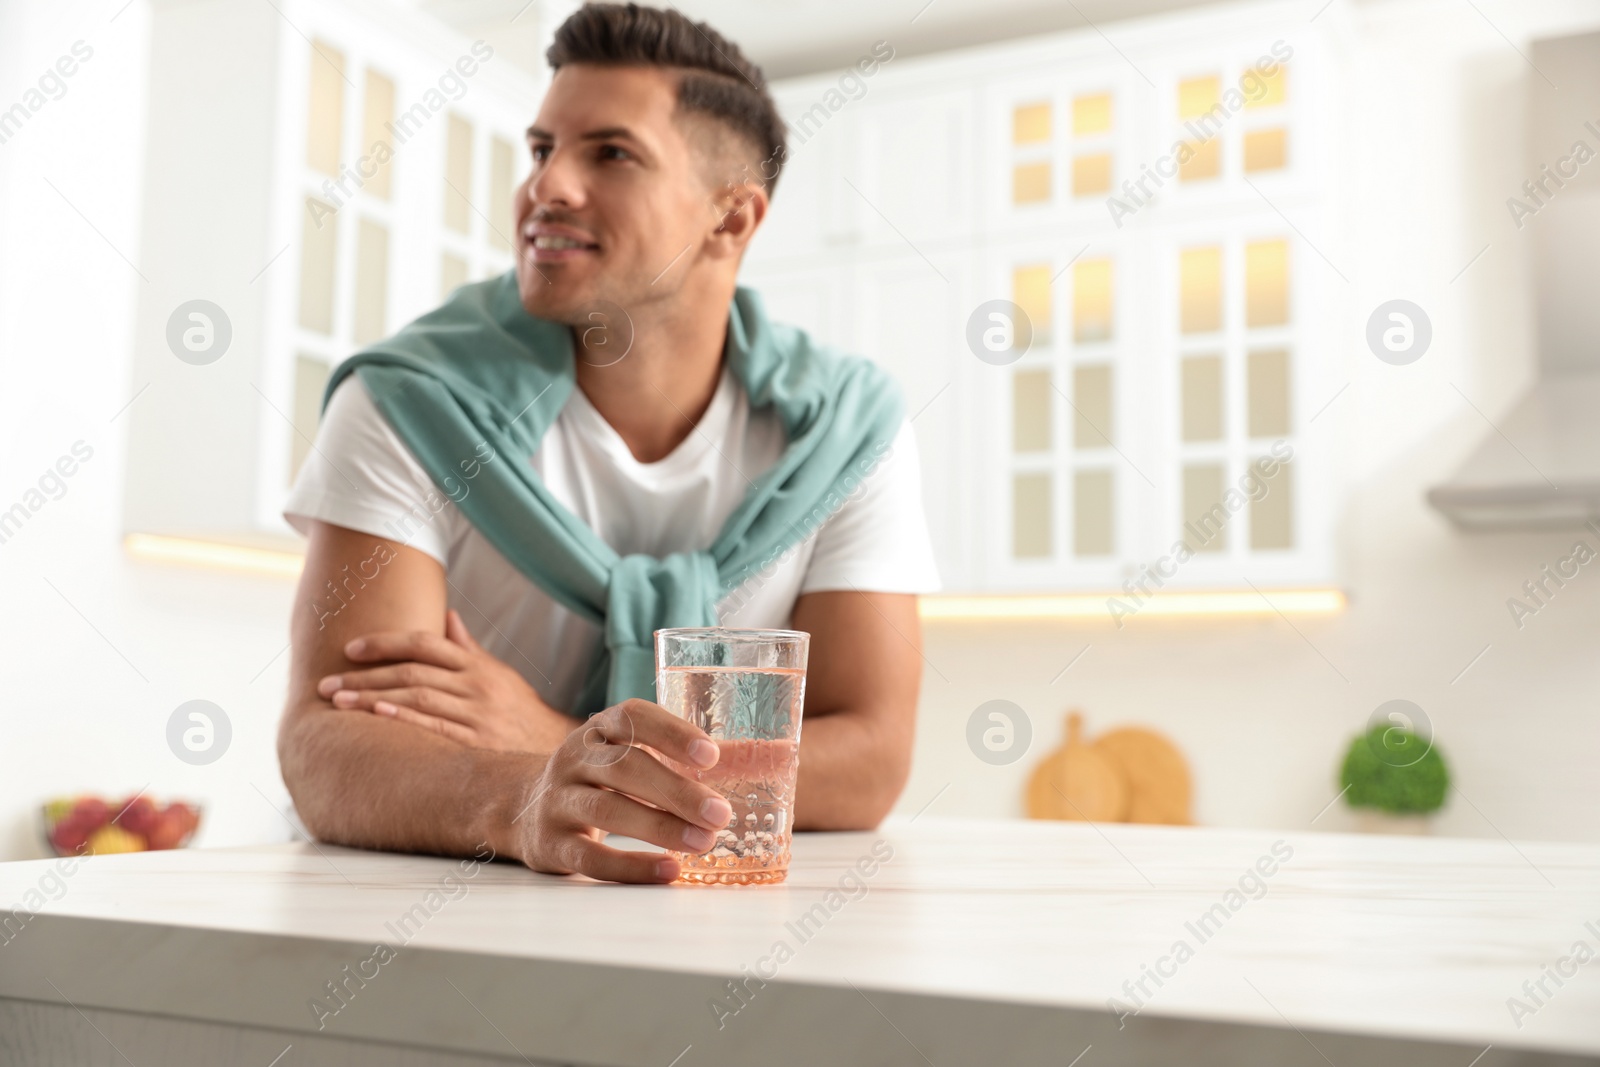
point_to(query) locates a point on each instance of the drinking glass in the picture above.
(745, 689)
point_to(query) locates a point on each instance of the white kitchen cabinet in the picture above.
(1164, 213)
(257, 200)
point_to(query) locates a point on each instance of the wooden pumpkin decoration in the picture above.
(1130, 774)
(1078, 783)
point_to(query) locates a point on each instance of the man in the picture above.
(572, 456)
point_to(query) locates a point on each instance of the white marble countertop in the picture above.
(991, 942)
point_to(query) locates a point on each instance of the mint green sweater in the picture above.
(480, 371)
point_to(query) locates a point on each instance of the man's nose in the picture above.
(557, 181)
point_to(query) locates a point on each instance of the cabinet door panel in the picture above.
(913, 173)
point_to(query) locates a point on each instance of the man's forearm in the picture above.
(370, 782)
(851, 773)
(861, 698)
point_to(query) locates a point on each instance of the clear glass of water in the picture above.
(745, 689)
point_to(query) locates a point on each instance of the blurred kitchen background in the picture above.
(1196, 219)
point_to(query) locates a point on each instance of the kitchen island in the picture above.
(928, 941)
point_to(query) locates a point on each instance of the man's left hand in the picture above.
(449, 685)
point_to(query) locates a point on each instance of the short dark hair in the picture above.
(716, 79)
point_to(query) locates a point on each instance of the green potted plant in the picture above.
(1394, 780)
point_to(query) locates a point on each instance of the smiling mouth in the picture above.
(558, 244)
(555, 246)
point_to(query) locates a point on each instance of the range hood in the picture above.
(1541, 467)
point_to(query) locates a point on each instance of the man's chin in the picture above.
(552, 296)
(571, 300)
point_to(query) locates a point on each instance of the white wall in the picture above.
(97, 651)
(1256, 706)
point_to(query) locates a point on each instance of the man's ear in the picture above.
(740, 208)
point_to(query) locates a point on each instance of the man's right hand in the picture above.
(603, 779)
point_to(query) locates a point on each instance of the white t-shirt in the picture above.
(362, 476)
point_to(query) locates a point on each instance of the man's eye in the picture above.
(541, 152)
(611, 151)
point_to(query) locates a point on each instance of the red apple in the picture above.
(188, 816)
(137, 814)
(92, 812)
(69, 834)
(166, 830)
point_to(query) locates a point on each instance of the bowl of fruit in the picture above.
(93, 826)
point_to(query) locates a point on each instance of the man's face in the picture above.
(617, 195)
